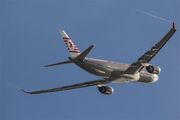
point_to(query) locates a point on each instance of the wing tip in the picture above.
(173, 25)
(46, 66)
(24, 91)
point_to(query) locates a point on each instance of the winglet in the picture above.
(23, 90)
(174, 26)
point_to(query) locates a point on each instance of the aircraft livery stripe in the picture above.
(75, 51)
(111, 63)
(67, 38)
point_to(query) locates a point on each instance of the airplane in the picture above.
(139, 72)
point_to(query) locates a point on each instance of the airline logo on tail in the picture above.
(74, 51)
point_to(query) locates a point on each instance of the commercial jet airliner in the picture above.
(140, 71)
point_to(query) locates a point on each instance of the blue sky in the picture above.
(30, 39)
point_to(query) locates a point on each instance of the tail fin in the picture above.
(74, 51)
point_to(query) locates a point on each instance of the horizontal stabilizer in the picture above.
(61, 63)
(85, 53)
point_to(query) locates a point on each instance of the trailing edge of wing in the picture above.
(80, 85)
(61, 63)
(139, 64)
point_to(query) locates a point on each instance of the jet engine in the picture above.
(107, 90)
(153, 69)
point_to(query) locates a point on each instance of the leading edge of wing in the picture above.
(144, 59)
(74, 86)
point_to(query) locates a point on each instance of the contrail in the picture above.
(150, 14)
(153, 15)
(13, 85)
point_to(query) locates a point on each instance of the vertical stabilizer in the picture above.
(73, 50)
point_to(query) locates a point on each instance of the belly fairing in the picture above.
(147, 78)
(125, 78)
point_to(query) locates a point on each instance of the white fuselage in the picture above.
(107, 69)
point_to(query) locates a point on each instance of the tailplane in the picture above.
(61, 63)
(73, 50)
(82, 56)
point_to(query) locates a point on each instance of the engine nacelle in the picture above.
(107, 90)
(153, 69)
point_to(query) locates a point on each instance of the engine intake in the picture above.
(107, 90)
(153, 69)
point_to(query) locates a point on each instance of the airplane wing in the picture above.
(80, 85)
(144, 59)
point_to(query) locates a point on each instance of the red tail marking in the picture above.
(67, 38)
(70, 44)
(75, 51)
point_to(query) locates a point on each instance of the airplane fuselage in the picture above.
(107, 69)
